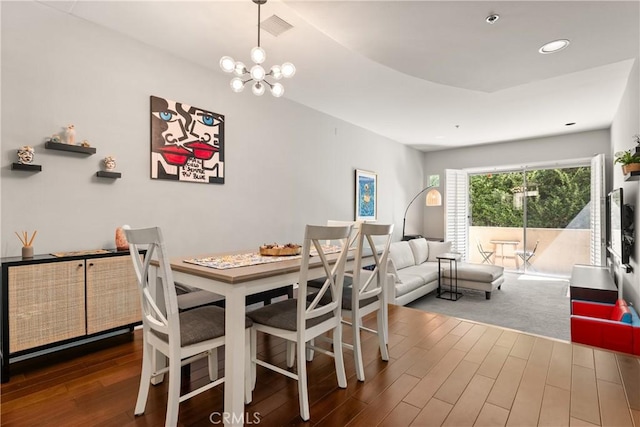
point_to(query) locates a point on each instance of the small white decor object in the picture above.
(25, 155)
(109, 163)
(70, 135)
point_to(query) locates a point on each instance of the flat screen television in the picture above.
(618, 223)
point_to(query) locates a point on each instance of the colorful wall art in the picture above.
(366, 195)
(187, 143)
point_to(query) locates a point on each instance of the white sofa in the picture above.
(414, 267)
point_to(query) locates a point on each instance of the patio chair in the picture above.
(527, 255)
(486, 254)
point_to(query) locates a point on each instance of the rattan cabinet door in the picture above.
(112, 294)
(46, 303)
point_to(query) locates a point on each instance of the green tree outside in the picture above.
(556, 198)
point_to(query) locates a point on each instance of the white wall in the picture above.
(626, 124)
(538, 150)
(286, 165)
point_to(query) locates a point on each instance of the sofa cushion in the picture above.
(410, 282)
(428, 271)
(420, 250)
(401, 254)
(438, 248)
(477, 272)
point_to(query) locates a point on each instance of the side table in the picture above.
(454, 295)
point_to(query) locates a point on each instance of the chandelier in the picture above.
(257, 73)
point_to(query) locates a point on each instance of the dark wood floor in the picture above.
(443, 371)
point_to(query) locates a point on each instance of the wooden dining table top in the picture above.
(246, 273)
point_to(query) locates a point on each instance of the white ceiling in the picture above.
(430, 74)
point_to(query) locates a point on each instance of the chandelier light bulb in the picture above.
(277, 90)
(258, 89)
(237, 85)
(227, 64)
(276, 72)
(258, 55)
(257, 73)
(288, 70)
(240, 69)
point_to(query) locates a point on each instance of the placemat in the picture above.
(251, 258)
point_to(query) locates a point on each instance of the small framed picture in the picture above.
(366, 195)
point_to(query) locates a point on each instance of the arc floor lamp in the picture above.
(434, 198)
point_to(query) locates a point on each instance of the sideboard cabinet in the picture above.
(48, 301)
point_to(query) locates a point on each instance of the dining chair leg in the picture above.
(312, 342)
(338, 356)
(145, 379)
(173, 399)
(384, 350)
(357, 349)
(158, 362)
(248, 374)
(253, 350)
(385, 322)
(291, 353)
(213, 364)
(302, 382)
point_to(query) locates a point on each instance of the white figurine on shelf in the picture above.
(70, 135)
(25, 155)
(109, 163)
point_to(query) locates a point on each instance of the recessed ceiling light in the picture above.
(554, 46)
(491, 19)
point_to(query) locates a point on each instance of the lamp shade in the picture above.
(288, 70)
(237, 85)
(258, 89)
(258, 55)
(227, 64)
(277, 90)
(434, 198)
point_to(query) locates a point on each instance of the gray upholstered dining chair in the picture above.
(181, 336)
(367, 293)
(300, 321)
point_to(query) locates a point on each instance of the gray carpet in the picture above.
(527, 303)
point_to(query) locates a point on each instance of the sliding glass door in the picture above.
(532, 220)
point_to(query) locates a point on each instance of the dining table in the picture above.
(502, 243)
(235, 283)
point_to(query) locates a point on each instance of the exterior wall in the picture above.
(556, 254)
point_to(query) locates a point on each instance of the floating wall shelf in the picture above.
(68, 147)
(106, 174)
(632, 176)
(25, 167)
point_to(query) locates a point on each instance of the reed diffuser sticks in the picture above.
(25, 239)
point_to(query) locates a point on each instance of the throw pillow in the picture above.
(420, 250)
(401, 254)
(437, 249)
